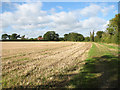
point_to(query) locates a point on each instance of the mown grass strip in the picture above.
(100, 70)
(110, 46)
(98, 51)
(117, 48)
(92, 51)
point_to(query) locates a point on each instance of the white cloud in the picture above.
(106, 10)
(60, 7)
(63, 18)
(7, 19)
(91, 10)
(31, 20)
(52, 10)
(93, 22)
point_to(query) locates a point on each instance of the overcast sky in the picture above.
(34, 19)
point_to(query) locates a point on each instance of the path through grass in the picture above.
(100, 69)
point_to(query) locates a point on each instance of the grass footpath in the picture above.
(100, 69)
(110, 46)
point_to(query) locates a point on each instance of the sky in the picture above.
(35, 19)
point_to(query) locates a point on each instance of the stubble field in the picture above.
(35, 64)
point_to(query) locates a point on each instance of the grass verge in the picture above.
(100, 70)
(110, 46)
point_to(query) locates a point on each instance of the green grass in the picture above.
(110, 46)
(100, 70)
(97, 52)
(92, 51)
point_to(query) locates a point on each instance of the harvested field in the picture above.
(37, 63)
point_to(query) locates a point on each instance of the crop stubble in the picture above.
(27, 63)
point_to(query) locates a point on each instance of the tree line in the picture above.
(110, 35)
(48, 36)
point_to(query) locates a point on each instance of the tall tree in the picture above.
(113, 31)
(92, 36)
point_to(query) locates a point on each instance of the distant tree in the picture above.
(4, 36)
(99, 34)
(39, 38)
(80, 37)
(9, 37)
(51, 36)
(73, 37)
(66, 37)
(56, 37)
(35, 39)
(87, 39)
(96, 39)
(61, 39)
(23, 37)
(92, 36)
(31, 39)
(14, 36)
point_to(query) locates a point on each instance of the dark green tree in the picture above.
(80, 37)
(51, 36)
(61, 39)
(99, 34)
(73, 37)
(31, 39)
(14, 36)
(4, 36)
(9, 37)
(113, 31)
(39, 36)
(66, 37)
(87, 39)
